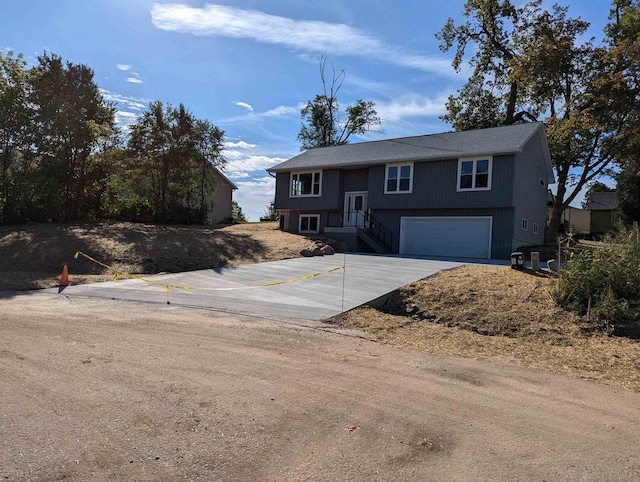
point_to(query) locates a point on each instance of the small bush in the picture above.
(610, 277)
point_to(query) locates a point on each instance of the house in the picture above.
(477, 194)
(221, 202)
(574, 220)
(603, 207)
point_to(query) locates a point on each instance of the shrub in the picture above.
(610, 277)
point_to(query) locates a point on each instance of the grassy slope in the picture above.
(33, 255)
(496, 312)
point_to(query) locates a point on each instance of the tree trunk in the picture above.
(556, 225)
(511, 105)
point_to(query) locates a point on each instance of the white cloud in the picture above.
(240, 145)
(244, 104)
(304, 36)
(264, 185)
(125, 101)
(134, 80)
(280, 111)
(239, 163)
(123, 67)
(124, 119)
(254, 195)
(411, 106)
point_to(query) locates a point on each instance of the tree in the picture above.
(71, 119)
(270, 212)
(628, 191)
(236, 213)
(323, 124)
(530, 63)
(208, 152)
(171, 154)
(15, 119)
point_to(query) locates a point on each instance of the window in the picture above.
(525, 224)
(542, 183)
(474, 174)
(398, 178)
(309, 223)
(305, 184)
(535, 228)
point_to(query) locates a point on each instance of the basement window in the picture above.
(525, 224)
(309, 223)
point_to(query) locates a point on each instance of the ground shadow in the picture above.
(35, 251)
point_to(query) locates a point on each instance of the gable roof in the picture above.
(602, 201)
(492, 141)
(225, 178)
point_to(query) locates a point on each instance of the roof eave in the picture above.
(377, 162)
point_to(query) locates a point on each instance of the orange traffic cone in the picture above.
(64, 279)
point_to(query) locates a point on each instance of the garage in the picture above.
(457, 236)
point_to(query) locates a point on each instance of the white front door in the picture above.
(355, 206)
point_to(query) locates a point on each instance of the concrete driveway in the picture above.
(284, 288)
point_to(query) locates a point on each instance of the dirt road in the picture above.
(99, 390)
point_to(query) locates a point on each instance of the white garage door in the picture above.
(467, 237)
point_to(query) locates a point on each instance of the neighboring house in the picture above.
(603, 207)
(478, 194)
(220, 205)
(577, 220)
(574, 220)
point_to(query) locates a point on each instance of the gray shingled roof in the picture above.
(602, 201)
(496, 140)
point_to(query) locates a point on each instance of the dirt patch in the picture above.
(97, 389)
(33, 255)
(495, 312)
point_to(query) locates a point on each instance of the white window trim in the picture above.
(298, 173)
(386, 177)
(475, 160)
(524, 224)
(535, 228)
(308, 216)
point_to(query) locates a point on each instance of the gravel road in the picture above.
(103, 390)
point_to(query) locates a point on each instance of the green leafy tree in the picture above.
(70, 120)
(628, 191)
(171, 154)
(15, 119)
(236, 213)
(208, 143)
(530, 63)
(323, 122)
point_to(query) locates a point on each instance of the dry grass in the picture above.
(488, 312)
(33, 255)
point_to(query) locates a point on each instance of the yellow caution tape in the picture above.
(117, 274)
(302, 277)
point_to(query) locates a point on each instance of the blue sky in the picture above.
(249, 65)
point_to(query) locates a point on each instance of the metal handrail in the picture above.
(364, 221)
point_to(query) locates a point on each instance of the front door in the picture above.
(355, 206)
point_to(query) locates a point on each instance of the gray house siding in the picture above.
(529, 196)
(502, 231)
(330, 199)
(435, 185)
(355, 180)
